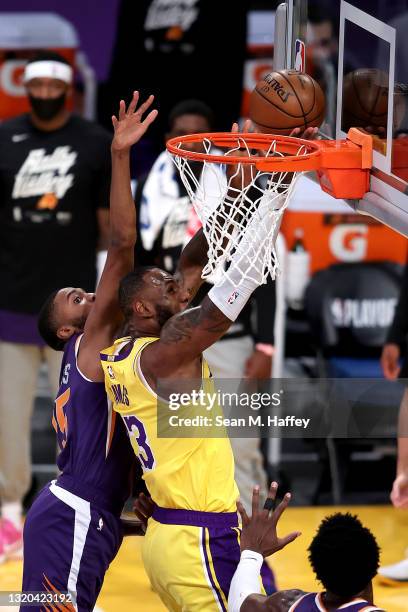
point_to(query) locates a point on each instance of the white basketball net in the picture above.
(225, 204)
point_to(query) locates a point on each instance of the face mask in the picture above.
(47, 108)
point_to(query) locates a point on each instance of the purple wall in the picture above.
(94, 21)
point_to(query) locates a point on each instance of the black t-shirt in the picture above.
(51, 184)
(193, 49)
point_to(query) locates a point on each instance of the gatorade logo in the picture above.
(349, 242)
(11, 77)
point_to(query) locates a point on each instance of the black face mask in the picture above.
(47, 108)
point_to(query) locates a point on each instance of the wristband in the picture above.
(253, 556)
(266, 349)
(246, 580)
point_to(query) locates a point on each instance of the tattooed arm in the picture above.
(183, 338)
(191, 263)
(195, 254)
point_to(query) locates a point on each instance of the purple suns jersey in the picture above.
(96, 456)
(313, 602)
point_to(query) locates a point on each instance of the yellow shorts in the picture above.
(190, 558)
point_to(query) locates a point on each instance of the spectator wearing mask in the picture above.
(54, 195)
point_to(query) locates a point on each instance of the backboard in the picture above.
(358, 51)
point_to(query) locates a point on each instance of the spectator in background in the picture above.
(396, 345)
(321, 32)
(167, 221)
(183, 51)
(54, 194)
(393, 352)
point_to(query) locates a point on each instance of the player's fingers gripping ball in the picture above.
(287, 99)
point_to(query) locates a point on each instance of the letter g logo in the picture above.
(11, 81)
(349, 242)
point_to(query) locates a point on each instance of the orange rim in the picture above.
(353, 153)
(260, 142)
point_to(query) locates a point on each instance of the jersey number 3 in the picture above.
(138, 434)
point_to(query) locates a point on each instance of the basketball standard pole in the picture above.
(280, 62)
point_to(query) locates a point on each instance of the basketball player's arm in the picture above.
(259, 539)
(278, 602)
(399, 493)
(183, 338)
(105, 317)
(192, 260)
(195, 254)
(186, 335)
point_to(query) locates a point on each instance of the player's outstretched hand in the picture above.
(129, 126)
(308, 134)
(399, 493)
(259, 531)
(143, 508)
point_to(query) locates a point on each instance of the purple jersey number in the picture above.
(59, 418)
(136, 429)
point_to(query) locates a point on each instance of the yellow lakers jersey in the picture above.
(187, 473)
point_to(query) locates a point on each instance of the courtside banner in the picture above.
(284, 408)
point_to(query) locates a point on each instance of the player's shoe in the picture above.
(394, 574)
(12, 540)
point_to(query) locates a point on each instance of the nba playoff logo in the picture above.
(300, 55)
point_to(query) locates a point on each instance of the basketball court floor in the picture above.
(127, 587)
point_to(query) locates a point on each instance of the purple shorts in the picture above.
(68, 546)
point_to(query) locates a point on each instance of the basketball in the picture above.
(365, 99)
(285, 100)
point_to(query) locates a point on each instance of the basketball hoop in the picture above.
(261, 173)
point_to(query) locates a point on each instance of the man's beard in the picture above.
(79, 322)
(163, 314)
(47, 108)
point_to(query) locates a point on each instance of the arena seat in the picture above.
(350, 308)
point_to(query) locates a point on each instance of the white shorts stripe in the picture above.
(201, 539)
(82, 521)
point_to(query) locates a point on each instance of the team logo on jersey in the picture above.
(110, 372)
(42, 174)
(48, 201)
(233, 297)
(176, 15)
(100, 527)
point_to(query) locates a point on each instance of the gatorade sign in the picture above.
(348, 243)
(11, 77)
